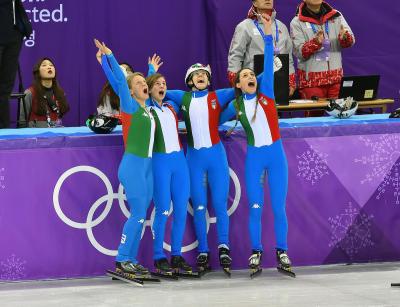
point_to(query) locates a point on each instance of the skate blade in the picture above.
(255, 273)
(203, 271)
(117, 276)
(187, 274)
(146, 278)
(166, 276)
(141, 277)
(286, 272)
(227, 272)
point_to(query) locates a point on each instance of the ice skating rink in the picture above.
(366, 285)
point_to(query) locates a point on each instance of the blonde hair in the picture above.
(130, 77)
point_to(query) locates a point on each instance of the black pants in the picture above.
(9, 54)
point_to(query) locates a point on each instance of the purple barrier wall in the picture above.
(183, 33)
(343, 204)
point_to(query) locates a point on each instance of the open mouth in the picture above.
(49, 71)
(251, 84)
(145, 91)
(161, 93)
(201, 82)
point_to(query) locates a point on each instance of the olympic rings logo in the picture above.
(121, 197)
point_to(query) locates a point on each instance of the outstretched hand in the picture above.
(102, 47)
(342, 33)
(277, 64)
(155, 60)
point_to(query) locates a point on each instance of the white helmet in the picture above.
(342, 108)
(197, 67)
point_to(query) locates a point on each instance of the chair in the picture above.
(21, 101)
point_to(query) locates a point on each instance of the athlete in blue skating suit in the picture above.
(206, 157)
(265, 154)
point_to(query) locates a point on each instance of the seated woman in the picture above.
(108, 103)
(45, 100)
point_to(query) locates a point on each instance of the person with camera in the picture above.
(45, 100)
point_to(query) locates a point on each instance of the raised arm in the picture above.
(228, 113)
(176, 96)
(128, 105)
(267, 81)
(225, 96)
(108, 72)
(154, 64)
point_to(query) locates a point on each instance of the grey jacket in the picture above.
(247, 42)
(302, 35)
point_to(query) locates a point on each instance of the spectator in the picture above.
(108, 103)
(248, 41)
(45, 100)
(319, 33)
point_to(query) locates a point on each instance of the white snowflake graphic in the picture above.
(385, 153)
(351, 230)
(12, 268)
(312, 165)
(2, 178)
(391, 179)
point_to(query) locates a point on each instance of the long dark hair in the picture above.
(42, 105)
(238, 95)
(108, 91)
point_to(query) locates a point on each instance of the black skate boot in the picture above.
(181, 268)
(130, 272)
(163, 269)
(224, 259)
(202, 263)
(255, 263)
(127, 267)
(284, 263)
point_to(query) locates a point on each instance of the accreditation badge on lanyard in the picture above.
(277, 50)
(324, 53)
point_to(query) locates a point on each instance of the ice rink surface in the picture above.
(366, 285)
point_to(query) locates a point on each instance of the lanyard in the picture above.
(262, 32)
(315, 29)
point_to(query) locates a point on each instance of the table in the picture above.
(322, 104)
